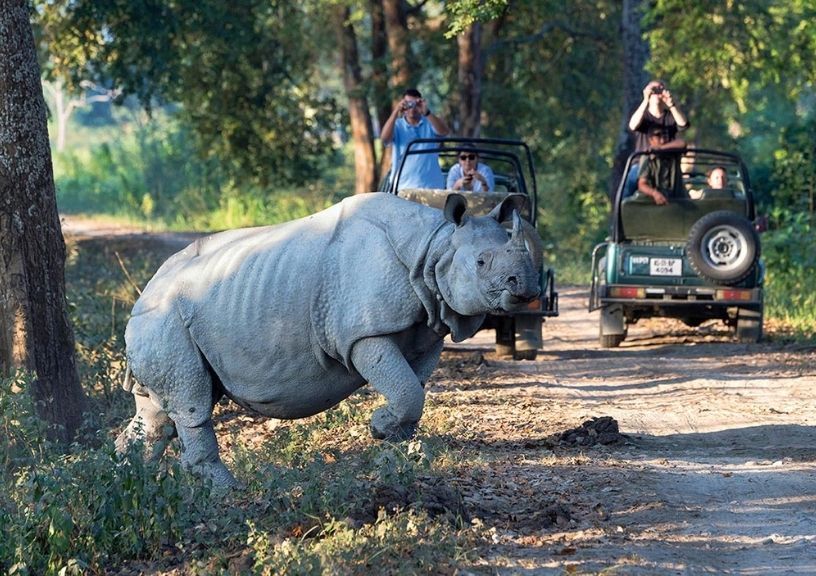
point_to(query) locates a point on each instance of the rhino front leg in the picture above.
(380, 361)
(424, 366)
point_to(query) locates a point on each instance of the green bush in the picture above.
(791, 272)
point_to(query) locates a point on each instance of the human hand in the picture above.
(667, 99)
(648, 90)
(660, 199)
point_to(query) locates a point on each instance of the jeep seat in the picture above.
(479, 203)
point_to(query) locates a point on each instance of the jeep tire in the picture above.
(612, 327)
(723, 247)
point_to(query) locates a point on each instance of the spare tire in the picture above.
(723, 247)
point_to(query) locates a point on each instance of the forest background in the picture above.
(210, 115)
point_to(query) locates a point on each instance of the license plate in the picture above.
(665, 266)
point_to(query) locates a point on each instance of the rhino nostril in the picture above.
(512, 282)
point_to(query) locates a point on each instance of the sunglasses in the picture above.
(467, 157)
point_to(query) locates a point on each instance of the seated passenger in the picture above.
(717, 178)
(470, 174)
(660, 173)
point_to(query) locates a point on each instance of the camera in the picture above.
(657, 90)
(409, 104)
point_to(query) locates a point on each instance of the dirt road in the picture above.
(716, 472)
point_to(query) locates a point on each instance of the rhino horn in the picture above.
(525, 237)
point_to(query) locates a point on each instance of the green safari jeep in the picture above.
(696, 258)
(518, 335)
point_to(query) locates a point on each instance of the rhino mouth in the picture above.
(506, 301)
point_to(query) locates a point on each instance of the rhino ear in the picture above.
(455, 206)
(504, 210)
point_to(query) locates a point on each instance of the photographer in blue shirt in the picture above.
(411, 120)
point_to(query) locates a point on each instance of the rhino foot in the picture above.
(218, 474)
(151, 425)
(385, 426)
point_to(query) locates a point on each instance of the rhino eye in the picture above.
(480, 262)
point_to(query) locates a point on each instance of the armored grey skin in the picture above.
(289, 320)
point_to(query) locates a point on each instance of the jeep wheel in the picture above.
(505, 337)
(723, 247)
(518, 337)
(528, 336)
(612, 328)
(749, 325)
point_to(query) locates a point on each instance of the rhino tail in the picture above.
(127, 385)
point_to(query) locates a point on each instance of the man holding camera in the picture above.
(410, 120)
(658, 109)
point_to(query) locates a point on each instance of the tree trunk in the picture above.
(402, 72)
(470, 80)
(35, 334)
(635, 55)
(379, 65)
(365, 165)
(399, 45)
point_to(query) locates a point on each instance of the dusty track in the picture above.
(717, 475)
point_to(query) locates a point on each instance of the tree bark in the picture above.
(635, 56)
(402, 76)
(470, 80)
(402, 72)
(365, 165)
(379, 64)
(35, 334)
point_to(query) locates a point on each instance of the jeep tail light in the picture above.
(733, 294)
(627, 292)
(534, 305)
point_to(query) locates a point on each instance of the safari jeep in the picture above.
(695, 259)
(518, 335)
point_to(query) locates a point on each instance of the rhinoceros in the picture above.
(289, 320)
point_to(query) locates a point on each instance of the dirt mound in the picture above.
(601, 430)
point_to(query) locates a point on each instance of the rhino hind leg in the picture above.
(380, 361)
(150, 425)
(199, 454)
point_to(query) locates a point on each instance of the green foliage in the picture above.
(23, 433)
(242, 71)
(83, 510)
(152, 172)
(389, 545)
(464, 13)
(788, 247)
(791, 269)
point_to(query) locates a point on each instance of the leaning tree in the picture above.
(35, 334)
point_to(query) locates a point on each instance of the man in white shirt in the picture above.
(470, 174)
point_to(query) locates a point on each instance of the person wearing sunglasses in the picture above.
(470, 174)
